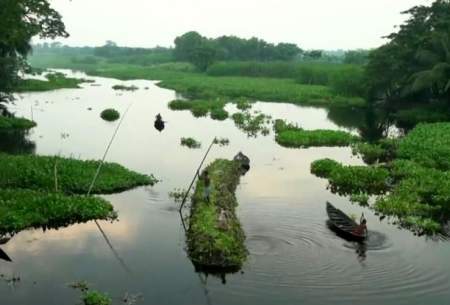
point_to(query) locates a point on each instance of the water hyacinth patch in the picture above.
(73, 176)
(110, 115)
(125, 88)
(252, 124)
(191, 143)
(22, 209)
(201, 108)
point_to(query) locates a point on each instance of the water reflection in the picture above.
(16, 142)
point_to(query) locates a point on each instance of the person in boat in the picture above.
(158, 117)
(207, 186)
(361, 229)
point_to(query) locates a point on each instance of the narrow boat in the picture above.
(342, 224)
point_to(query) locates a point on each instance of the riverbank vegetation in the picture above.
(215, 237)
(200, 107)
(55, 80)
(14, 123)
(110, 115)
(289, 135)
(413, 185)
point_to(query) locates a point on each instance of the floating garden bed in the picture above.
(73, 176)
(215, 237)
(22, 209)
(288, 135)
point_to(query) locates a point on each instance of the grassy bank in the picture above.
(178, 77)
(215, 237)
(22, 209)
(416, 181)
(73, 176)
(54, 81)
(11, 123)
(289, 135)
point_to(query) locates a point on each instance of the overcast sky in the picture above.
(312, 24)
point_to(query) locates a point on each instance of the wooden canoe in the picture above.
(343, 224)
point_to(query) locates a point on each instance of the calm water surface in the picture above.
(294, 258)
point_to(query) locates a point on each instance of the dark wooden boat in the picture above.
(4, 256)
(342, 224)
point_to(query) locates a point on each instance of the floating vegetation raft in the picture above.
(21, 209)
(125, 88)
(191, 143)
(200, 108)
(416, 183)
(8, 123)
(215, 237)
(252, 125)
(110, 115)
(54, 81)
(73, 176)
(289, 135)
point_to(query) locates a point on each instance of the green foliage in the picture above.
(110, 115)
(21, 209)
(212, 241)
(191, 143)
(74, 176)
(55, 81)
(23, 20)
(382, 151)
(289, 135)
(8, 123)
(201, 108)
(243, 104)
(347, 180)
(221, 141)
(252, 125)
(125, 88)
(415, 63)
(428, 145)
(429, 113)
(96, 298)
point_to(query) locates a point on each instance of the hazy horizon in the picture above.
(322, 24)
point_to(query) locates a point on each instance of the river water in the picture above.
(294, 258)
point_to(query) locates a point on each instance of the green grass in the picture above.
(55, 81)
(9, 123)
(200, 108)
(209, 243)
(74, 176)
(110, 115)
(22, 209)
(288, 135)
(252, 124)
(191, 143)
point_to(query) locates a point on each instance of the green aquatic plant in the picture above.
(95, 298)
(243, 104)
(73, 176)
(222, 141)
(54, 81)
(125, 88)
(190, 142)
(177, 194)
(215, 237)
(252, 124)
(22, 209)
(201, 108)
(382, 151)
(110, 115)
(347, 180)
(8, 123)
(289, 135)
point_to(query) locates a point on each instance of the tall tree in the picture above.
(20, 20)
